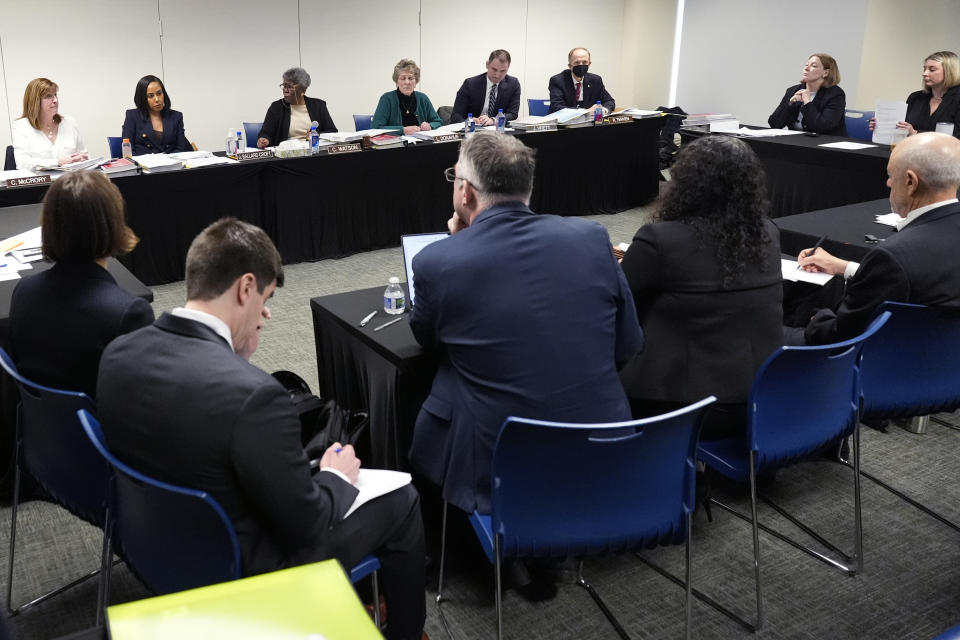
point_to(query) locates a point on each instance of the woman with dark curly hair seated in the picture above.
(706, 280)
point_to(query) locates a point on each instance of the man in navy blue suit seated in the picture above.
(574, 87)
(485, 94)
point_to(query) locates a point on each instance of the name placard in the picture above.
(28, 181)
(617, 119)
(351, 147)
(254, 155)
(450, 137)
(546, 126)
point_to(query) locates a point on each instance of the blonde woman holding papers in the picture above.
(41, 136)
(936, 107)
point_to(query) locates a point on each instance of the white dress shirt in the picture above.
(32, 147)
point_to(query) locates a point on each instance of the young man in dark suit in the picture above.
(179, 401)
(575, 87)
(920, 264)
(485, 94)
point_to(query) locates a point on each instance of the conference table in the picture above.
(14, 220)
(389, 375)
(333, 205)
(803, 175)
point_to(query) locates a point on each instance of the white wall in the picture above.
(648, 32)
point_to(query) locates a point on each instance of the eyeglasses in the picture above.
(287, 85)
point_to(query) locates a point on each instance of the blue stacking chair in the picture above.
(802, 399)
(950, 634)
(538, 106)
(51, 447)
(175, 538)
(115, 146)
(858, 124)
(566, 505)
(910, 368)
(250, 132)
(361, 122)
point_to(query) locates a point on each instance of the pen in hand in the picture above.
(815, 247)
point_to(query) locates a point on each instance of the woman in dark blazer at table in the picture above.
(153, 127)
(61, 319)
(817, 104)
(405, 110)
(290, 116)
(938, 100)
(706, 281)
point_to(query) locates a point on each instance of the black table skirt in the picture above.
(845, 228)
(803, 176)
(331, 206)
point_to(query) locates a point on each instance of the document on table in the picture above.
(889, 113)
(889, 219)
(766, 133)
(847, 145)
(374, 483)
(30, 239)
(789, 270)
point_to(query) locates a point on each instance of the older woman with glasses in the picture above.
(289, 117)
(42, 136)
(405, 110)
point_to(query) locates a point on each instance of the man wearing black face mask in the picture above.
(577, 88)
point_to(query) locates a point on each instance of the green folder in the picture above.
(310, 602)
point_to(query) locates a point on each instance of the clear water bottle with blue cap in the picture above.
(598, 114)
(470, 125)
(501, 121)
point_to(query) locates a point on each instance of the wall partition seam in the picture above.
(675, 61)
(163, 73)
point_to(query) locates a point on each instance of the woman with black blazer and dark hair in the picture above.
(817, 104)
(153, 127)
(706, 281)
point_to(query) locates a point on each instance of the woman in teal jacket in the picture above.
(405, 110)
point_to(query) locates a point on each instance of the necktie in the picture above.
(578, 91)
(492, 102)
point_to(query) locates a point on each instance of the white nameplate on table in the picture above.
(344, 148)
(28, 181)
(254, 155)
(617, 119)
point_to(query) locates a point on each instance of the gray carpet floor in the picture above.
(910, 586)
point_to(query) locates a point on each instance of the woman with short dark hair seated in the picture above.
(62, 318)
(706, 281)
(153, 127)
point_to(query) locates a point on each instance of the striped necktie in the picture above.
(492, 102)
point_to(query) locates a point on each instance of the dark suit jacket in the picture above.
(920, 264)
(276, 124)
(825, 114)
(62, 319)
(143, 138)
(701, 339)
(563, 93)
(177, 403)
(472, 98)
(529, 314)
(918, 110)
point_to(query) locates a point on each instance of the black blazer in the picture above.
(563, 93)
(919, 264)
(143, 139)
(177, 402)
(61, 320)
(276, 124)
(826, 113)
(918, 110)
(701, 339)
(472, 98)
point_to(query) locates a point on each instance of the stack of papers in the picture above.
(352, 136)
(184, 156)
(207, 161)
(23, 248)
(120, 167)
(157, 162)
(90, 163)
(639, 113)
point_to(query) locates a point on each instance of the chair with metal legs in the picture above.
(801, 399)
(51, 447)
(566, 505)
(910, 368)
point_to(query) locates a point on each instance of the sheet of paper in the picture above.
(207, 162)
(193, 155)
(633, 111)
(847, 145)
(26, 240)
(766, 133)
(889, 219)
(789, 270)
(374, 483)
(888, 114)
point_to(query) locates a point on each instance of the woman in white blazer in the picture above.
(41, 136)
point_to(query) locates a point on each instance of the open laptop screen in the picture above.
(412, 244)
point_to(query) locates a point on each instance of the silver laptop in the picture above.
(412, 244)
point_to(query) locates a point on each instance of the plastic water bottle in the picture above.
(126, 150)
(598, 114)
(394, 299)
(470, 125)
(231, 143)
(314, 141)
(241, 141)
(501, 121)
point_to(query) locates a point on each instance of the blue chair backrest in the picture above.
(561, 489)
(115, 144)
(805, 397)
(538, 106)
(54, 449)
(361, 122)
(9, 159)
(173, 538)
(250, 132)
(912, 366)
(858, 124)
